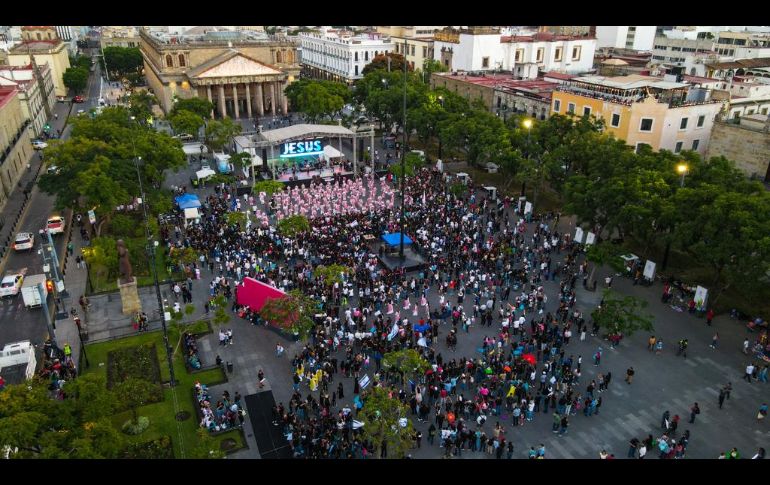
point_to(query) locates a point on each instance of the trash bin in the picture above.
(229, 367)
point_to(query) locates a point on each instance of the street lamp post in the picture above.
(527, 124)
(682, 170)
(438, 134)
(403, 163)
(153, 265)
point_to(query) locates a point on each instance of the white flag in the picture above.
(393, 331)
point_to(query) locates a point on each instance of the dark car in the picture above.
(78, 99)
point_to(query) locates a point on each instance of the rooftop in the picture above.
(6, 94)
(544, 37)
(632, 81)
(35, 46)
(559, 75)
(741, 63)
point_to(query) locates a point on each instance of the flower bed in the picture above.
(160, 448)
(140, 362)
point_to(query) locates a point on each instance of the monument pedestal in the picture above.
(129, 296)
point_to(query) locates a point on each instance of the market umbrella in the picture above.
(507, 368)
(529, 358)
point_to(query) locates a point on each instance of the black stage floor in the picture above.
(412, 260)
(271, 442)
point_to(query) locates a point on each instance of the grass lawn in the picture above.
(162, 414)
(102, 284)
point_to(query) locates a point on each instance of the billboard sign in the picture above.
(301, 148)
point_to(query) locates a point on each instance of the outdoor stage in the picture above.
(303, 175)
(390, 259)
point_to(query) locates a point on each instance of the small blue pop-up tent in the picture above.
(188, 201)
(394, 239)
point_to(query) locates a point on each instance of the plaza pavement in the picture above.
(662, 382)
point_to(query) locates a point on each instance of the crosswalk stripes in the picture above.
(571, 443)
(561, 451)
(651, 420)
(628, 426)
(690, 363)
(713, 391)
(612, 429)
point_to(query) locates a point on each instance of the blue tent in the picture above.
(394, 239)
(188, 201)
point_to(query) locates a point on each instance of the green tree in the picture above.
(332, 273)
(292, 226)
(479, 134)
(199, 106)
(429, 66)
(140, 105)
(292, 313)
(407, 363)
(123, 62)
(75, 78)
(269, 187)
(220, 132)
(620, 314)
(601, 254)
(206, 447)
(380, 62)
(236, 219)
(134, 393)
(382, 416)
(412, 164)
(185, 122)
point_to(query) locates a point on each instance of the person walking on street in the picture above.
(261, 378)
(659, 347)
(709, 316)
(694, 410)
(630, 374)
(749, 372)
(722, 395)
(633, 445)
(651, 343)
(762, 412)
(714, 340)
(746, 344)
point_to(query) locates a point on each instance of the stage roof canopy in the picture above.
(394, 239)
(303, 131)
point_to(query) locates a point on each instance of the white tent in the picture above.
(191, 216)
(331, 152)
(194, 149)
(206, 172)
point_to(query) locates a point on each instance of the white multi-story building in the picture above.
(339, 55)
(485, 49)
(639, 38)
(32, 95)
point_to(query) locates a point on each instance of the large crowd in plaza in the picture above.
(485, 267)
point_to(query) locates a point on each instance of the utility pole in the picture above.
(44, 306)
(403, 164)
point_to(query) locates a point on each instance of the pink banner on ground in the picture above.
(255, 293)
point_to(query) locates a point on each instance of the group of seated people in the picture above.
(191, 351)
(227, 413)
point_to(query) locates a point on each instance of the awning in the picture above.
(191, 213)
(331, 152)
(187, 201)
(394, 239)
(206, 172)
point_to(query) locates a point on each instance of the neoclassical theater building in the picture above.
(243, 73)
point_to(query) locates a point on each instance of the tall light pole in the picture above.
(527, 124)
(403, 162)
(154, 268)
(682, 170)
(438, 134)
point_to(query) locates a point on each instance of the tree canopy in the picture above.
(380, 62)
(220, 132)
(383, 415)
(620, 314)
(76, 78)
(199, 106)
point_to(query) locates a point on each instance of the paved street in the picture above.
(16, 322)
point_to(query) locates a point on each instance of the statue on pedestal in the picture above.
(126, 273)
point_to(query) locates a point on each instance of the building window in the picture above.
(695, 144)
(366, 55)
(424, 51)
(640, 145)
(519, 55)
(557, 56)
(556, 105)
(540, 53)
(169, 61)
(485, 62)
(615, 122)
(499, 101)
(412, 50)
(576, 53)
(586, 111)
(356, 70)
(764, 111)
(678, 147)
(701, 120)
(181, 60)
(38, 36)
(683, 124)
(645, 124)
(355, 56)
(571, 108)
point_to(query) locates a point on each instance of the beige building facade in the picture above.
(42, 43)
(119, 36)
(37, 101)
(15, 146)
(241, 78)
(747, 143)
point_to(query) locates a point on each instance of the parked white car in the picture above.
(11, 284)
(24, 241)
(39, 144)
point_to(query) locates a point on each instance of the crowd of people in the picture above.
(226, 413)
